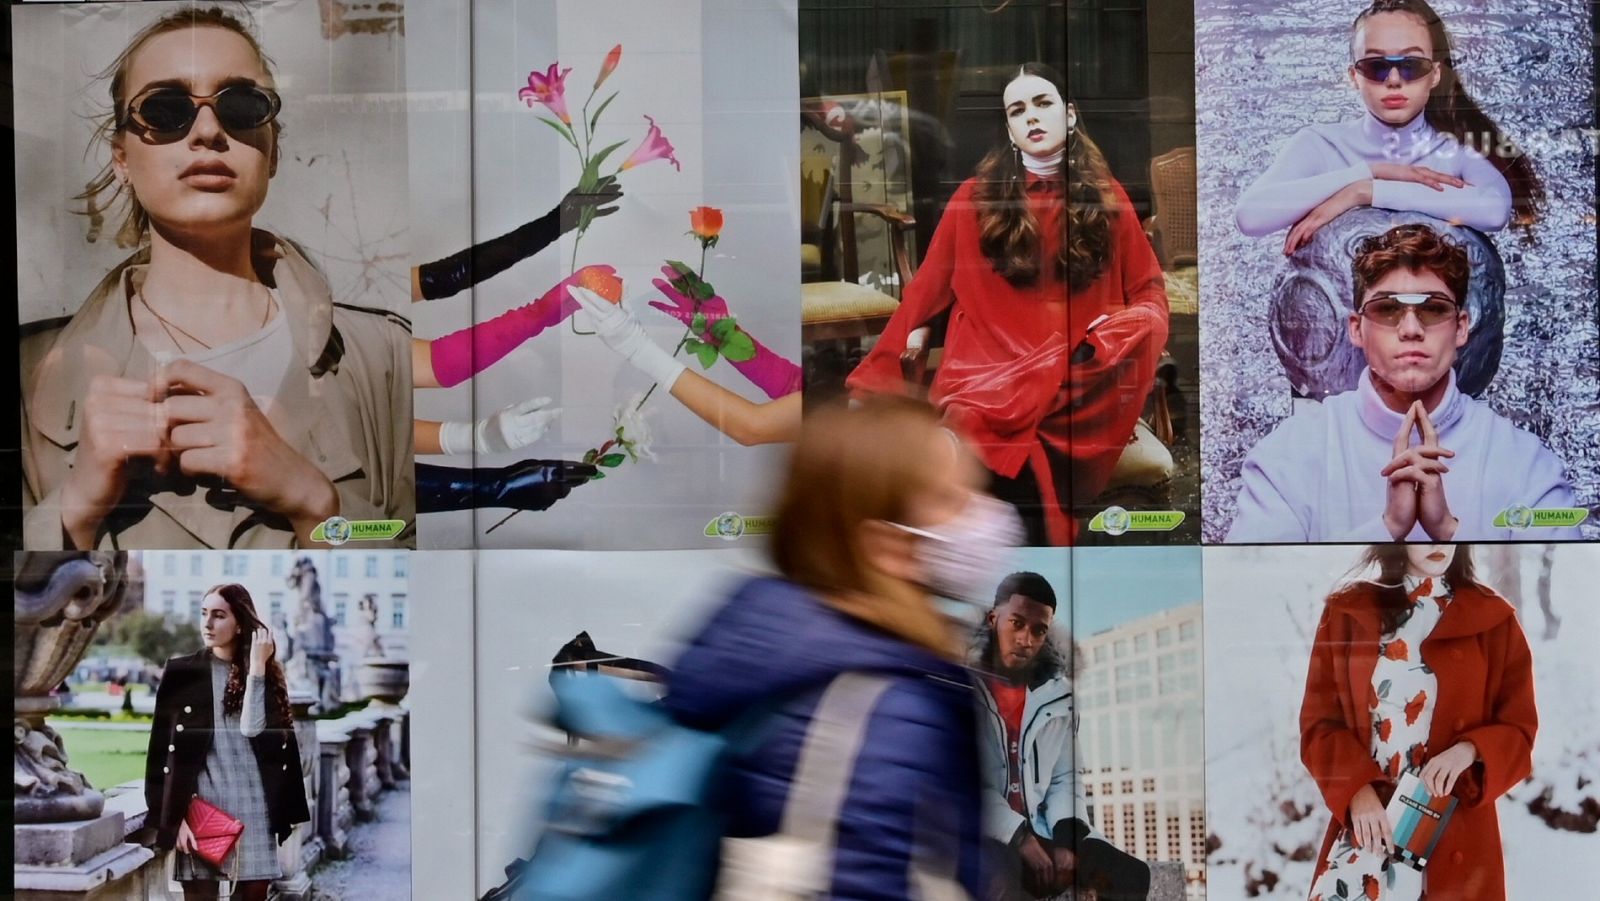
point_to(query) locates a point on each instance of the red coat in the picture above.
(1485, 674)
(1005, 381)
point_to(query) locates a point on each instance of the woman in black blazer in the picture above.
(248, 764)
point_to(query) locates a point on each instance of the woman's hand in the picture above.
(1357, 193)
(261, 648)
(186, 842)
(220, 432)
(1038, 870)
(1440, 773)
(123, 421)
(1369, 824)
(1421, 175)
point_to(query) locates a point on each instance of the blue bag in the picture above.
(630, 816)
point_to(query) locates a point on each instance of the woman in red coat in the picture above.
(1420, 668)
(1058, 312)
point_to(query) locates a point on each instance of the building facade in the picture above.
(1141, 738)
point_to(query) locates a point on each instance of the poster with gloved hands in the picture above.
(609, 329)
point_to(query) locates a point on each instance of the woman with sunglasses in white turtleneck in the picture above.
(1422, 144)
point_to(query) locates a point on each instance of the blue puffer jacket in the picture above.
(915, 790)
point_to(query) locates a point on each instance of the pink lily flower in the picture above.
(655, 146)
(548, 89)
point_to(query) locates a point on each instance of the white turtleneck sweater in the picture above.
(1044, 167)
(1318, 475)
(1321, 159)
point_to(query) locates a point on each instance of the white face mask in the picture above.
(962, 558)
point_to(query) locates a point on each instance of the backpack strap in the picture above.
(828, 758)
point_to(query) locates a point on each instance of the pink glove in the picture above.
(460, 355)
(766, 370)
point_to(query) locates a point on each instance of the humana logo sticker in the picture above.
(1116, 521)
(733, 526)
(336, 530)
(1520, 517)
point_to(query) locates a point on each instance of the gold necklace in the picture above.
(168, 325)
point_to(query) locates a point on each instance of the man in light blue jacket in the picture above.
(1034, 803)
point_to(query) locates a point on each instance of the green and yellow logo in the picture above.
(733, 526)
(1117, 521)
(1521, 517)
(337, 530)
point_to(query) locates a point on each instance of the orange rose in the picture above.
(1414, 707)
(1396, 650)
(705, 222)
(1369, 887)
(602, 283)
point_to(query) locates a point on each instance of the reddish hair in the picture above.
(1414, 248)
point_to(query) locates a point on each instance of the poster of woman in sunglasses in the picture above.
(1418, 387)
(203, 365)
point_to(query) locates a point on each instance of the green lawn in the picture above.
(108, 758)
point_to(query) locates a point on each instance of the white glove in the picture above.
(622, 333)
(506, 429)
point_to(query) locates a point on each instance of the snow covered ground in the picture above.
(1261, 609)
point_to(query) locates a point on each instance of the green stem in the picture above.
(675, 351)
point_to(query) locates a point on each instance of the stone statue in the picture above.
(60, 599)
(1312, 301)
(367, 639)
(316, 657)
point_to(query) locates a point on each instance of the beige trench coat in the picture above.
(348, 411)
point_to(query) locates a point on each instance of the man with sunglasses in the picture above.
(1404, 456)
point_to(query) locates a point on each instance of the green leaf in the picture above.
(1343, 890)
(683, 269)
(724, 328)
(561, 130)
(701, 290)
(739, 348)
(612, 461)
(598, 158)
(594, 119)
(597, 475)
(698, 324)
(704, 352)
(589, 456)
(1383, 689)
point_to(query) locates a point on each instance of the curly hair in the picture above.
(135, 225)
(279, 714)
(1416, 248)
(1008, 232)
(1452, 111)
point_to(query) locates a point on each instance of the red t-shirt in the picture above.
(1011, 700)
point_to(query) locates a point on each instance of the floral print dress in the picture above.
(1402, 698)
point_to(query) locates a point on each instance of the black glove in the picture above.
(603, 200)
(524, 485)
(481, 262)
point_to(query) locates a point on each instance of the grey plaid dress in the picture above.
(232, 781)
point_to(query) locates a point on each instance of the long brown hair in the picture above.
(849, 467)
(1452, 111)
(1008, 232)
(135, 225)
(1388, 583)
(279, 714)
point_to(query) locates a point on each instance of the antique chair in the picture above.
(842, 301)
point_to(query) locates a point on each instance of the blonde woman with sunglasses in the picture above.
(1421, 145)
(209, 392)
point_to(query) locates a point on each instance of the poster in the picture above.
(1268, 821)
(215, 352)
(270, 685)
(689, 108)
(1445, 136)
(943, 258)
